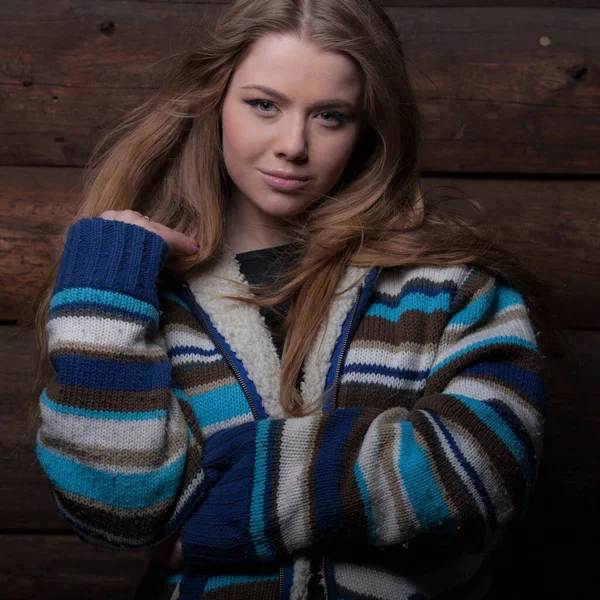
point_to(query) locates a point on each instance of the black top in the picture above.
(266, 265)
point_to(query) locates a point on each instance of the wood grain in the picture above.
(550, 224)
(493, 96)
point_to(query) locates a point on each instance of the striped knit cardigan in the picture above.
(164, 416)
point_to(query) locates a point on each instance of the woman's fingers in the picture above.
(178, 242)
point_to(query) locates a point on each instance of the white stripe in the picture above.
(188, 338)
(114, 435)
(211, 429)
(293, 501)
(394, 383)
(518, 328)
(194, 358)
(471, 453)
(99, 331)
(418, 359)
(392, 282)
(483, 390)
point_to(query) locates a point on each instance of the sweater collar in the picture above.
(246, 332)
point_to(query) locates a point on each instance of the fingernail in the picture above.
(194, 248)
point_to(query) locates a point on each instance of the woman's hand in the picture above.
(178, 242)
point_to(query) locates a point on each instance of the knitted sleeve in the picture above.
(452, 471)
(112, 440)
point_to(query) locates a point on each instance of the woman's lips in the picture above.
(284, 184)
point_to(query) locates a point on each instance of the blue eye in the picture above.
(338, 117)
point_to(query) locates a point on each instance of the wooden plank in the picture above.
(566, 495)
(551, 224)
(65, 567)
(494, 97)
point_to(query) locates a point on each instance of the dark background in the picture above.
(511, 99)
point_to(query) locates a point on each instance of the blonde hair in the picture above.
(162, 160)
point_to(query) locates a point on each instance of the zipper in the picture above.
(324, 571)
(207, 328)
(343, 352)
(281, 583)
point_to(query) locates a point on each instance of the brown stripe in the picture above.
(97, 455)
(204, 375)
(352, 505)
(174, 314)
(68, 311)
(310, 477)
(109, 400)
(456, 495)
(448, 407)
(138, 524)
(125, 354)
(496, 351)
(353, 394)
(413, 326)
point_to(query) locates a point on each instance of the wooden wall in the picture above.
(511, 98)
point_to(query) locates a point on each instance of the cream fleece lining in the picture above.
(246, 332)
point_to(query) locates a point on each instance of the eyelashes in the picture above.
(338, 117)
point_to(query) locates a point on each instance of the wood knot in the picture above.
(579, 73)
(108, 27)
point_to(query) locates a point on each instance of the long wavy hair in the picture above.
(164, 159)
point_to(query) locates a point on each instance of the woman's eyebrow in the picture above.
(336, 102)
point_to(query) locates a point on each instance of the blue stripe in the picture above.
(130, 491)
(96, 297)
(257, 503)
(499, 339)
(386, 370)
(490, 417)
(414, 301)
(255, 397)
(364, 294)
(328, 473)
(218, 405)
(391, 300)
(104, 374)
(217, 582)
(419, 482)
(468, 467)
(527, 383)
(183, 350)
(499, 297)
(173, 298)
(368, 508)
(101, 414)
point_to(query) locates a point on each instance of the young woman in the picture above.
(264, 356)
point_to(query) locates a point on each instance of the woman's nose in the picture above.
(292, 139)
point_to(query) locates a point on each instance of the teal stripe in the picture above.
(174, 298)
(131, 491)
(217, 582)
(498, 298)
(104, 298)
(218, 405)
(423, 492)
(257, 503)
(101, 414)
(415, 301)
(499, 339)
(486, 414)
(175, 578)
(364, 493)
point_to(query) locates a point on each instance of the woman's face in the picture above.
(289, 128)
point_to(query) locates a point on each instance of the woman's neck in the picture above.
(246, 230)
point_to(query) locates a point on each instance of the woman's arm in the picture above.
(113, 440)
(454, 470)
